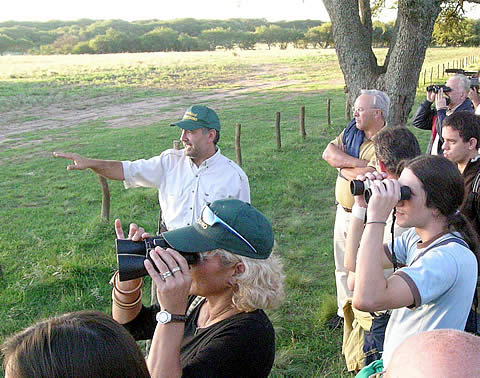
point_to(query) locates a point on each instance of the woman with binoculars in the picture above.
(210, 321)
(435, 284)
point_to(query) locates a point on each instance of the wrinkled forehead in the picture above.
(453, 83)
(364, 100)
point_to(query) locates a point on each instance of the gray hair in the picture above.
(380, 100)
(463, 80)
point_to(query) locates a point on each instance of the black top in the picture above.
(240, 346)
(471, 205)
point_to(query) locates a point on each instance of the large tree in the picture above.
(398, 76)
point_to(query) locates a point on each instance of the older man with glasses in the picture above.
(352, 153)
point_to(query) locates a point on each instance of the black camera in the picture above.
(131, 255)
(436, 88)
(358, 187)
(472, 75)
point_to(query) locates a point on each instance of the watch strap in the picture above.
(178, 318)
(170, 317)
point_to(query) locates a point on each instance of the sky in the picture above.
(272, 10)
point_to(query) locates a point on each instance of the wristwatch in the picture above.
(165, 317)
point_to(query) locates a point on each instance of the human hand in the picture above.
(172, 276)
(474, 96)
(135, 233)
(368, 179)
(440, 100)
(384, 197)
(431, 96)
(80, 162)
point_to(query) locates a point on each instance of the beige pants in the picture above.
(342, 220)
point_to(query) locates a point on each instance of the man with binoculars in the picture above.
(448, 98)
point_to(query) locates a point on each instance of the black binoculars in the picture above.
(358, 187)
(131, 255)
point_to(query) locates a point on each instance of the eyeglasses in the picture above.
(209, 218)
(361, 110)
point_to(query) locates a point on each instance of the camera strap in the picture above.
(392, 230)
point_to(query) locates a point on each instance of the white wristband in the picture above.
(359, 212)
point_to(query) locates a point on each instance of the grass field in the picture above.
(57, 255)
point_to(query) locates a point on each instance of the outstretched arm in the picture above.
(111, 169)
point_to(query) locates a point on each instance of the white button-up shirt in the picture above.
(183, 188)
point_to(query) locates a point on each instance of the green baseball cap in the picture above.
(252, 234)
(198, 116)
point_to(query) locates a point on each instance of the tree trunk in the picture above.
(352, 34)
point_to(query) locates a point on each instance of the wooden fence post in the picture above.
(431, 74)
(238, 150)
(328, 112)
(277, 131)
(424, 76)
(105, 213)
(302, 122)
(347, 110)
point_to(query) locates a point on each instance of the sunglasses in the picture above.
(209, 218)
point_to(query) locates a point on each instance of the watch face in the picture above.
(163, 317)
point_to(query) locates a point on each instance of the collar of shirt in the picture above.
(207, 162)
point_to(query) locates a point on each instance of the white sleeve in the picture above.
(144, 173)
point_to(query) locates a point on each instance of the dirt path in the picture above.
(117, 114)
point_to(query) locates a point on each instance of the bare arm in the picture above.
(337, 158)
(111, 169)
(372, 291)
(172, 293)
(127, 295)
(352, 173)
(354, 235)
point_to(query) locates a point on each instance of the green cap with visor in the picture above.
(247, 231)
(198, 116)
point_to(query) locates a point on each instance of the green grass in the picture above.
(56, 254)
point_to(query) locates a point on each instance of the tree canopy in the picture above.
(353, 35)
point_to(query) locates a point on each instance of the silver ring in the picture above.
(176, 269)
(166, 275)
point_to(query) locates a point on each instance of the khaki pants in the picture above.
(342, 221)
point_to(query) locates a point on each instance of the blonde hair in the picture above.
(259, 286)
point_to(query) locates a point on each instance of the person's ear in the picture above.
(473, 144)
(211, 134)
(239, 268)
(381, 166)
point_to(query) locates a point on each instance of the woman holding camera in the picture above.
(434, 287)
(210, 321)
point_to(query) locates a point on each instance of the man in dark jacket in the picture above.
(427, 118)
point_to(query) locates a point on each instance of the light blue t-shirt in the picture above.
(442, 281)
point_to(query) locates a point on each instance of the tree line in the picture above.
(87, 36)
